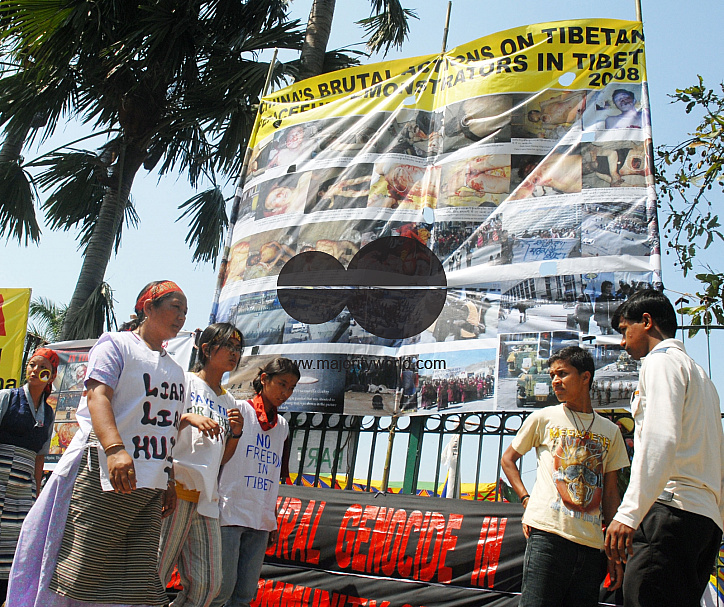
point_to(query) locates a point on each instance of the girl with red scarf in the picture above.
(249, 484)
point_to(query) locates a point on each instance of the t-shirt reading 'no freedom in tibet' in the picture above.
(249, 481)
(572, 460)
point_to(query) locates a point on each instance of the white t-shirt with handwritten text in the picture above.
(249, 481)
(148, 398)
(197, 458)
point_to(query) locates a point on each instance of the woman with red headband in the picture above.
(112, 486)
(26, 424)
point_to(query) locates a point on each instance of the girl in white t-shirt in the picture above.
(249, 483)
(210, 429)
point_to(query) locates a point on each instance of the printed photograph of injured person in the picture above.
(549, 115)
(556, 173)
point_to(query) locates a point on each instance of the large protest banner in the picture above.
(345, 548)
(421, 234)
(350, 548)
(14, 305)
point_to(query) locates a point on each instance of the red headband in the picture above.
(50, 355)
(154, 292)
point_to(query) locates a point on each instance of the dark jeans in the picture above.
(560, 573)
(673, 556)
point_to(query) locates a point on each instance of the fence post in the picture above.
(414, 448)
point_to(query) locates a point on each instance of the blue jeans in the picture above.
(561, 573)
(242, 558)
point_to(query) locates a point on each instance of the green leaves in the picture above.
(94, 316)
(46, 319)
(81, 181)
(17, 209)
(388, 25)
(688, 174)
(208, 221)
(175, 84)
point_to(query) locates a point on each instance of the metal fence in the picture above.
(405, 453)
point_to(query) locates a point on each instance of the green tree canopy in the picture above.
(167, 85)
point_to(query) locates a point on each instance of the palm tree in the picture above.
(166, 82)
(385, 28)
(46, 319)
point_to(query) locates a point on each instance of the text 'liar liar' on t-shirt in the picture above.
(148, 399)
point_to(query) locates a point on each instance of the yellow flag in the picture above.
(14, 304)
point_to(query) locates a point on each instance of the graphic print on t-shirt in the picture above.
(578, 473)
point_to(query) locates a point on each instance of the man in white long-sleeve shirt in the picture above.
(668, 527)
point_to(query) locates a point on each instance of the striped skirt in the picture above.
(17, 494)
(109, 551)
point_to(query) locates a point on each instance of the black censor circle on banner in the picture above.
(394, 287)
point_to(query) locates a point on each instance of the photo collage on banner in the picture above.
(521, 162)
(68, 387)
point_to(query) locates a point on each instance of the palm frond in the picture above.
(47, 318)
(388, 26)
(81, 181)
(17, 204)
(208, 221)
(94, 316)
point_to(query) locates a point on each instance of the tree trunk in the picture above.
(13, 145)
(100, 246)
(319, 27)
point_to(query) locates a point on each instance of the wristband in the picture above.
(237, 436)
(525, 497)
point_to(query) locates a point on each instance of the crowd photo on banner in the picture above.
(459, 233)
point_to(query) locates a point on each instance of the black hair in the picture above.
(216, 336)
(277, 366)
(623, 92)
(650, 301)
(136, 322)
(580, 359)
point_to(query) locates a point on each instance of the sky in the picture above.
(681, 42)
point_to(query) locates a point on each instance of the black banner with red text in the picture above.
(339, 548)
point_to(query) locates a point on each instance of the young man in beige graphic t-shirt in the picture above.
(575, 492)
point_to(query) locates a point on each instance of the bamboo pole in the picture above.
(393, 425)
(388, 457)
(447, 26)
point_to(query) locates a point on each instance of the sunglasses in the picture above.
(232, 348)
(571, 473)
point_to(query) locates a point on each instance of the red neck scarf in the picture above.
(258, 403)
